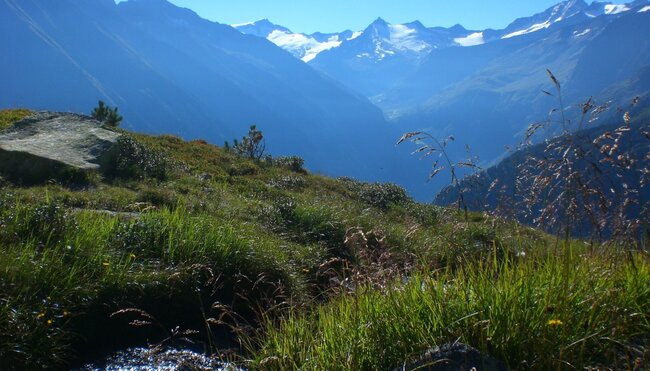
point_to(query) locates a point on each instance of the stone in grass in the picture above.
(51, 145)
(456, 357)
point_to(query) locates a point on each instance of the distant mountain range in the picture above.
(487, 95)
(485, 86)
(339, 100)
(373, 60)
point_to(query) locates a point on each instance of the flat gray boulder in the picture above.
(46, 144)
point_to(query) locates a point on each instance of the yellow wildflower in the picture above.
(40, 315)
(106, 264)
(49, 322)
(555, 322)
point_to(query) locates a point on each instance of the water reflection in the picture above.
(145, 359)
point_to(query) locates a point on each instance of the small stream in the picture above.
(145, 359)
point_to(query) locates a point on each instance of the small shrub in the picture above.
(280, 214)
(45, 223)
(289, 182)
(380, 195)
(106, 114)
(427, 215)
(252, 146)
(145, 236)
(243, 169)
(132, 160)
(158, 197)
(293, 163)
(306, 224)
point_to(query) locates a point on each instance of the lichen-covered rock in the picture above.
(453, 357)
(47, 144)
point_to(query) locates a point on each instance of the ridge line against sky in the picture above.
(308, 16)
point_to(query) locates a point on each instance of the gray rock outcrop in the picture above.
(47, 144)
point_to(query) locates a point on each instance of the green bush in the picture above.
(106, 114)
(289, 182)
(46, 224)
(145, 236)
(427, 215)
(243, 169)
(132, 160)
(293, 163)
(306, 224)
(380, 195)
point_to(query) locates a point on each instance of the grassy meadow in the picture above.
(264, 264)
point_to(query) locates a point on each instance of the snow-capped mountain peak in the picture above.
(557, 13)
(565, 10)
(305, 47)
(261, 28)
(381, 39)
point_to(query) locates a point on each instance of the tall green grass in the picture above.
(537, 313)
(57, 265)
(222, 232)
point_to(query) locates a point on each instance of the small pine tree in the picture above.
(251, 146)
(106, 114)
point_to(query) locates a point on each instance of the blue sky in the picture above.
(308, 16)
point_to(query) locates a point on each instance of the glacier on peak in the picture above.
(472, 39)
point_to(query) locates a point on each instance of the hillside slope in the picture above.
(607, 165)
(169, 71)
(186, 246)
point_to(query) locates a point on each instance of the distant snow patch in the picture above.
(533, 28)
(406, 38)
(355, 34)
(577, 34)
(243, 24)
(473, 39)
(312, 53)
(616, 8)
(644, 9)
(299, 44)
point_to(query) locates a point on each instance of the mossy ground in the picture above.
(9, 117)
(295, 271)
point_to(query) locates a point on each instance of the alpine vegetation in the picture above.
(145, 237)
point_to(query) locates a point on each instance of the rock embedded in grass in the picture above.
(48, 144)
(457, 357)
